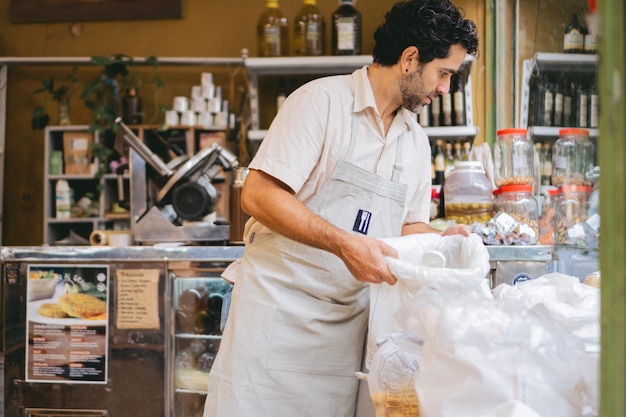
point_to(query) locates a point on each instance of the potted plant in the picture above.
(102, 96)
(61, 94)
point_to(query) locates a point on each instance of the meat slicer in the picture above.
(174, 202)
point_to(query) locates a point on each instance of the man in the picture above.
(343, 164)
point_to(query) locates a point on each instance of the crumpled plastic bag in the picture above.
(465, 271)
(480, 355)
(574, 305)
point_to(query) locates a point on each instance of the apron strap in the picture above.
(398, 167)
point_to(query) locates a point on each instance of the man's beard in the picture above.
(413, 91)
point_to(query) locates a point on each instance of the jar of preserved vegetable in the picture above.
(468, 195)
(570, 215)
(513, 157)
(572, 157)
(516, 212)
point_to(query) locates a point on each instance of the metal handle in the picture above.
(142, 149)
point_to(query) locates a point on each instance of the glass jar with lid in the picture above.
(572, 157)
(571, 214)
(546, 219)
(516, 213)
(513, 157)
(468, 195)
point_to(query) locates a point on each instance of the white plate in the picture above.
(34, 316)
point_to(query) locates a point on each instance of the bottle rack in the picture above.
(328, 65)
(551, 63)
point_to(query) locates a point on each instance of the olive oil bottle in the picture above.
(308, 30)
(272, 31)
(346, 29)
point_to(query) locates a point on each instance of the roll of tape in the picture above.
(119, 238)
(98, 238)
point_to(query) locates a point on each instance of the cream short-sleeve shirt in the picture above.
(312, 131)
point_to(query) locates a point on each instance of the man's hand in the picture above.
(457, 229)
(365, 259)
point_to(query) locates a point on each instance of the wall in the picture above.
(215, 28)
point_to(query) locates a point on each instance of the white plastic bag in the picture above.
(480, 355)
(465, 271)
(574, 305)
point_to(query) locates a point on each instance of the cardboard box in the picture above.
(77, 152)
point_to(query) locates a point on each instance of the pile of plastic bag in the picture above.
(524, 351)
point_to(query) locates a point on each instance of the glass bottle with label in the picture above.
(272, 31)
(458, 100)
(446, 109)
(440, 163)
(591, 42)
(308, 30)
(449, 160)
(573, 40)
(558, 104)
(546, 165)
(593, 105)
(131, 107)
(542, 86)
(458, 153)
(582, 104)
(346, 29)
(466, 151)
(567, 101)
(424, 117)
(435, 111)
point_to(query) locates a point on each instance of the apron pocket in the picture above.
(317, 337)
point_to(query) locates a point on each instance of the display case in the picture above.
(199, 307)
(122, 361)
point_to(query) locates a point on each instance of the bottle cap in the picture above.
(512, 131)
(573, 132)
(516, 188)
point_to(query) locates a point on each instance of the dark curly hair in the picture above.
(430, 25)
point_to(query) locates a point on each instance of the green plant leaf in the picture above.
(39, 119)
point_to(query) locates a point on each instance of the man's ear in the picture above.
(409, 57)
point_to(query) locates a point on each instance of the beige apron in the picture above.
(297, 325)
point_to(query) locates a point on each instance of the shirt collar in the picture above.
(364, 97)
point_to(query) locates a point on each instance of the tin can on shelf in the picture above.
(572, 157)
(468, 195)
(513, 157)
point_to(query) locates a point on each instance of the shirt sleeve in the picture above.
(294, 141)
(418, 203)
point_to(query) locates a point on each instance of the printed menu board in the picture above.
(67, 326)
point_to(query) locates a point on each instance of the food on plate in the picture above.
(51, 310)
(82, 306)
(39, 274)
